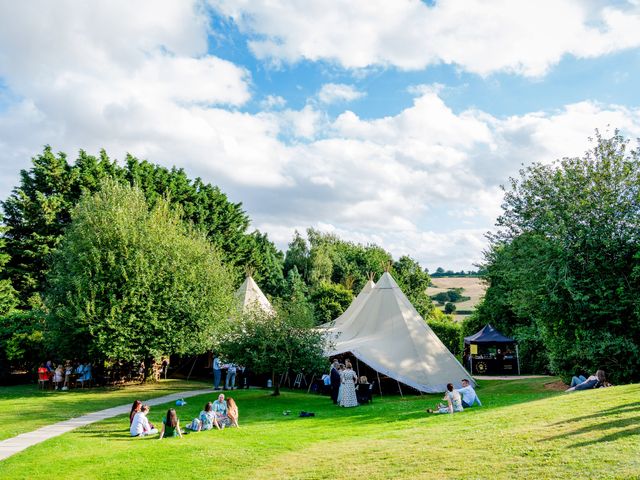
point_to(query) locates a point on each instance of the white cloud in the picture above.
(338, 92)
(272, 102)
(479, 36)
(422, 182)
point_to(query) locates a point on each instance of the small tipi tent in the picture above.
(250, 296)
(388, 334)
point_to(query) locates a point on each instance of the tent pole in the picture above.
(310, 384)
(379, 384)
(399, 388)
(195, 358)
(358, 367)
(518, 358)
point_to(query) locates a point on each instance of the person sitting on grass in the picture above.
(454, 402)
(140, 426)
(170, 425)
(596, 380)
(135, 408)
(469, 396)
(232, 412)
(204, 420)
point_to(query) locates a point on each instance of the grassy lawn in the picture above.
(24, 408)
(523, 431)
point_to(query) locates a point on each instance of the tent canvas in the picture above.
(250, 296)
(387, 333)
(335, 326)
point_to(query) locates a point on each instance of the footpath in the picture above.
(16, 444)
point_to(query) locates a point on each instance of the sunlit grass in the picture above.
(523, 431)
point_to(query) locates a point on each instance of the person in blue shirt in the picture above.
(217, 372)
(469, 396)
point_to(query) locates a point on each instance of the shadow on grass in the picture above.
(598, 427)
(630, 407)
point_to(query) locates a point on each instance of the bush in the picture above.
(449, 333)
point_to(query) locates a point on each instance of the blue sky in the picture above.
(392, 123)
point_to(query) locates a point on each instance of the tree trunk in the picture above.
(276, 385)
(149, 377)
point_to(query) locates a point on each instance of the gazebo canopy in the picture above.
(488, 334)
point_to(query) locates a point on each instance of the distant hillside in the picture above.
(472, 287)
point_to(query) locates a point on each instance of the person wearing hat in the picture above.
(469, 396)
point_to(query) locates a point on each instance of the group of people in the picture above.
(218, 414)
(237, 375)
(343, 381)
(457, 399)
(64, 374)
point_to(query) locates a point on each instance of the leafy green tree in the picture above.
(38, 211)
(562, 265)
(414, 281)
(330, 300)
(131, 283)
(276, 345)
(448, 332)
(297, 256)
(449, 308)
(267, 262)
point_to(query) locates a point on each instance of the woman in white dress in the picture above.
(349, 379)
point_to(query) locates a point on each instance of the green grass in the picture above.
(25, 408)
(523, 431)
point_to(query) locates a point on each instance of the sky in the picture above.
(392, 123)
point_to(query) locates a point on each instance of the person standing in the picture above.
(217, 372)
(349, 379)
(335, 381)
(230, 382)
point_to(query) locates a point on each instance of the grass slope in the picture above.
(523, 431)
(25, 408)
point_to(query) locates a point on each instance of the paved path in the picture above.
(508, 377)
(18, 443)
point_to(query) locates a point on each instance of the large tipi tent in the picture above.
(387, 333)
(250, 296)
(334, 327)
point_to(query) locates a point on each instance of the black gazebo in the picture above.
(489, 352)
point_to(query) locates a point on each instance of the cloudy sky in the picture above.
(388, 122)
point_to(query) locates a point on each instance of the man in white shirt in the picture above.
(140, 425)
(469, 396)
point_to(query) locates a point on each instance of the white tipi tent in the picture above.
(387, 333)
(250, 296)
(336, 325)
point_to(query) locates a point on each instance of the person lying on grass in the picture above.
(596, 380)
(140, 426)
(454, 402)
(170, 425)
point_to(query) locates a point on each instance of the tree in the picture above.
(275, 345)
(414, 281)
(329, 301)
(563, 263)
(449, 308)
(39, 210)
(130, 283)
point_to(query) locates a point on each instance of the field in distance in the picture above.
(472, 287)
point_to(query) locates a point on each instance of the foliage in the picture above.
(276, 344)
(330, 300)
(414, 281)
(563, 265)
(38, 211)
(22, 344)
(449, 333)
(131, 283)
(449, 308)
(452, 295)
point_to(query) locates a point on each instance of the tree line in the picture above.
(563, 265)
(134, 261)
